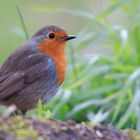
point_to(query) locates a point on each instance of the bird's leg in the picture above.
(23, 112)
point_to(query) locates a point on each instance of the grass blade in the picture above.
(22, 22)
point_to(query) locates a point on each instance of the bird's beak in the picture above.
(69, 37)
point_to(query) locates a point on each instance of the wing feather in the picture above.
(17, 72)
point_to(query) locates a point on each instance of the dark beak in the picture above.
(69, 37)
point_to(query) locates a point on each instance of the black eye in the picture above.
(51, 35)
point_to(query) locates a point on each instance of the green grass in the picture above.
(100, 88)
(22, 21)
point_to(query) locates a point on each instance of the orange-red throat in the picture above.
(54, 45)
(56, 50)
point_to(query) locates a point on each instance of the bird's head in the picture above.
(53, 39)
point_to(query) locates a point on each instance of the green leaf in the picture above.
(40, 109)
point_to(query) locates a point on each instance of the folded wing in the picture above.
(21, 69)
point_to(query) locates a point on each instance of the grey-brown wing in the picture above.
(12, 83)
(17, 72)
(21, 59)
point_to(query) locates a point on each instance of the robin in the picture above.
(35, 70)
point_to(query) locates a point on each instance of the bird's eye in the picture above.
(51, 35)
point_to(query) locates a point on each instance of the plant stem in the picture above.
(22, 22)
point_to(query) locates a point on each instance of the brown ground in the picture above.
(25, 128)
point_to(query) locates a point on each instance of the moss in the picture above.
(28, 128)
(133, 135)
(22, 133)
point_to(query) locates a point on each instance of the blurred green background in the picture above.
(103, 74)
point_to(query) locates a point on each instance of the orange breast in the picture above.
(57, 52)
(60, 68)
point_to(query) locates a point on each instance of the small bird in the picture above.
(35, 70)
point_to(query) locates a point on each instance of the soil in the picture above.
(26, 128)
